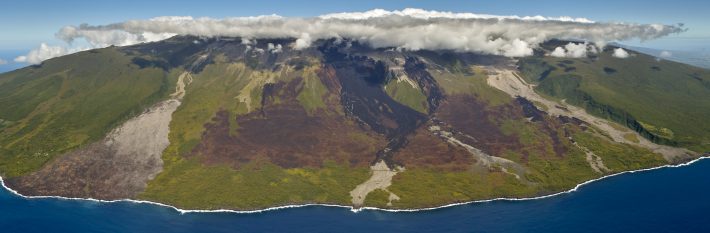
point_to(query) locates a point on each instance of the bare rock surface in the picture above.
(119, 166)
(381, 179)
(509, 82)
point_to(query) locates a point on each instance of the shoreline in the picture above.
(352, 208)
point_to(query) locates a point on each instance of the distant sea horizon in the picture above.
(9, 55)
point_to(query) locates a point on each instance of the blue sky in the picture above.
(26, 23)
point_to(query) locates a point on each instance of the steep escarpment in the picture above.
(656, 98)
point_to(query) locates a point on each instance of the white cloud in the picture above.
(559, 52)
(517, 48)
(105, 38)
(620, 53)
(274, 48)
(574, 50)
(411, 29)
(45, 52)
(3, 62)
(303, 41)
(246, 41)
(666, 54)
(425, 14)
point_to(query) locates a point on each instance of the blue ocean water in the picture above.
(6, 60)
(663, 200)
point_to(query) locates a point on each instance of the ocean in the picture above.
(661, 200)
(6, 60)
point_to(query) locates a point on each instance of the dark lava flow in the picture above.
(363, 97)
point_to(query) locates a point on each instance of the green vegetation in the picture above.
(549, 171)
(631, 137)
(555, 174)
(661, 132)
(377, 198)
(425, 188)
(671, 99)
(69, 102)
(66, 103)
(411, 96)
(233, 87)
(619, 157)
(313, 92)
(472, 82)
(540, 106)
(545, 172)
(189, 184)
(215, 88)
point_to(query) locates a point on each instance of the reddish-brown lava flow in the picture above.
(355, 133)
(426, 150)
(547, 124)
(467, 115)
(327, 75)
(286, 135)
(92, 172)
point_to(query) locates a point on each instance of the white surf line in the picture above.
(353, 209)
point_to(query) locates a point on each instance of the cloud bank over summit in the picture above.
(412, 29)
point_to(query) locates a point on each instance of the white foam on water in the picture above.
(353, 209)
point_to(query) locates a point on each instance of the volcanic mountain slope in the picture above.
(207, 123)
